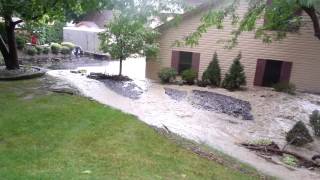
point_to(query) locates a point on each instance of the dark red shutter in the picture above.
(260, 69)
(285, 72)
(196, 62)
(175, 60)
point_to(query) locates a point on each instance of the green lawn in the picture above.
(54, 136)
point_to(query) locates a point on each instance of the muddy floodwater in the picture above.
(271, 114)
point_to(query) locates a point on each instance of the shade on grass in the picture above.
(51, 136)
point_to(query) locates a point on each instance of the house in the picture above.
(295, 59)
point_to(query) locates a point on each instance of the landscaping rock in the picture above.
(222, 104)
(21, 74)
(176, 94)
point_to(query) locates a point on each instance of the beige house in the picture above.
(295, 59)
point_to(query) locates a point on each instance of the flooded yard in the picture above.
(222, 127)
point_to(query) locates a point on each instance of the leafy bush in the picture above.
(46, 50)
(70, 45)
(21, 41)
(202, 83)
(39, 49)
(189, 76)
(290, 160)
(236, 77)
(65, 50)
(31, 50)
(315, 122)
(299, 135)
(55, 48)
(213, 73)
(285, 87)
(166, 75)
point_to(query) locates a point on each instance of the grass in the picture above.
(54, 136)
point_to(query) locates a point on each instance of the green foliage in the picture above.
(213, 73)
(55, 48)
(263, 142)
(31, 50)
(285, 87)
(290, 160)
(236, 77)
(126, 35)
(21, 41)
(39, 49)
(166, 75)
(46, 50)
(299, 135)
(315, 122)
(65, 50)
(189, 76)
(70, 45)
(45, 30)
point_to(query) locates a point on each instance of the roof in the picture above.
(198, 9)
(100, 18)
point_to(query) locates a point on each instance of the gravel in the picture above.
(176, 94)
(125, 88)
(220, 103)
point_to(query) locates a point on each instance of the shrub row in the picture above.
(234, 79)
(55, 48)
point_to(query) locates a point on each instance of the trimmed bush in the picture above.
(31, 50)
(236, 77)
(39, 49)
(315, 122)
(299, 135)
(167, 75)
(46, 50)
(213, 73)
(65, 50)
(189, 76)
(55, 48)
(285, 87)
(21, 41)
(70, 45)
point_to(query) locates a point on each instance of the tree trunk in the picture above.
(9, 50)
(120, 69)
(315, 20)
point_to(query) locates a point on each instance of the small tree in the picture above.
(236, 77)
(315, 122)
(212, 75)
(299, 135)
(127, 35)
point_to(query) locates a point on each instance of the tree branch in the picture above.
(17, 22)
(314, 17)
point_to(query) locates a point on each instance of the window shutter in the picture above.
(285, 72)
(196, 62)
(260, 69)
(175, 60)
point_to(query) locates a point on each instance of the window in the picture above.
(185, 61)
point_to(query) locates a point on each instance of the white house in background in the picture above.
(85, 33)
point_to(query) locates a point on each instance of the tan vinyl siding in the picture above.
(302, 49)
